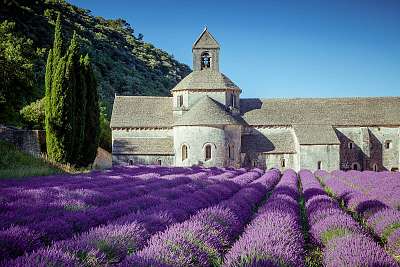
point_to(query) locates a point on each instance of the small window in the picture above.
(208, 152)
(254, 163)
(356, 166)
(350, 145)
(180, 101)
(231, 152)
(184, 152)
(388, 144)
(159, 162)
(130, 162)
(283, 163)
(319, 165)
(375, 167)
(233, 100)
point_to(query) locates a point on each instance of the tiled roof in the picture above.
(279, 142)
(206, 79)
(142, 112)
(206, 40)
(313, 134)
(207, 111)
(367, 111)
(143, 146)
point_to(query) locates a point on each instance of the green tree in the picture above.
(34, 114)
(105, 130)
(92, 128)
(72, 109)
(54, 102)
(17, 78)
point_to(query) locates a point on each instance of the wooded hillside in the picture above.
(124, 64)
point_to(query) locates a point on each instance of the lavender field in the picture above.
(161, 216)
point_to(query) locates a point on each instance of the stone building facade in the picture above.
(205, 122)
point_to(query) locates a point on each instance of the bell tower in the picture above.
(205, 52)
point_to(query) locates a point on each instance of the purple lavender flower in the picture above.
(45, 258)
(356, 250)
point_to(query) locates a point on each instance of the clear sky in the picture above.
(279, 48)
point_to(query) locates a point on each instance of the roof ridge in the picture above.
(325, 98)
(141, 96)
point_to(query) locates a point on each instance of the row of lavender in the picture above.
(381, 219)
(274, 237)
(336, 233)
(382, 186)
(25, 228)
(111, 242)
(203, 239)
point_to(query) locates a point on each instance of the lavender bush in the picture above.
(379, 217)
(274, 237)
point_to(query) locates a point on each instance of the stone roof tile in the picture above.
(143, 146)
(142, 112)
(357, 111)
(207, 79)
(313, 134)
(277, 142)
(207, 111)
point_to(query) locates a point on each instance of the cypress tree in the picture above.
(72, 104)
(70, 127)
(51, 106)
(80, 112)
(92, 127)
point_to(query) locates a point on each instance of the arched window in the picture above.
(184, 152)
(205, 60)
(319, 165)
(387, 144)
(283, 163)
(207, 152)
(356, 166)
(130, 162)
(231, 153)
(375, 167)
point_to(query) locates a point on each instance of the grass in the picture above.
(314, 255)
(17, 164)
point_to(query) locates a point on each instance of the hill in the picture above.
(124, 64)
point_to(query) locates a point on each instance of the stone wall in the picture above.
(196, 138)
(326, 155)
(143, 159)
(29, 141)
(275, 161)
(369, 147)
(385, 158)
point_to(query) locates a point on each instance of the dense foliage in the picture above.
(167, 216)
(71, 103)
(123, 63)
(19, 83)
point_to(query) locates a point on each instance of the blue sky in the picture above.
(279, 48)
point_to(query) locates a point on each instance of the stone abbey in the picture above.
(206, 122)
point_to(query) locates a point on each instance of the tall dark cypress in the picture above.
(51, 106)
(92, 127)
(72, 108)
(80, 111)
(71, 82)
